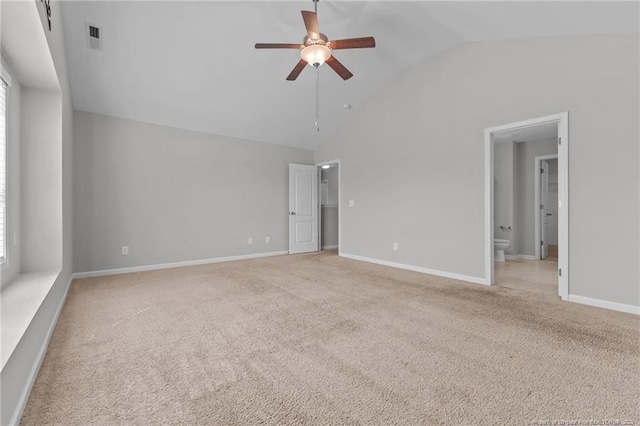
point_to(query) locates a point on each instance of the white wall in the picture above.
(525, 211)
(426, 126)
(41, 180)
(173, 195)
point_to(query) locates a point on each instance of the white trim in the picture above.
(118, 271)
(24, 397)
(339, 198)
(335, 246)
(536, 201)
(445, 274)
(489, 244)
(6, 77)
(563, 206)
(319, 191)
(562, 119)
(621, 307)
(5, 74)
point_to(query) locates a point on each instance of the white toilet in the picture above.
(499, 246)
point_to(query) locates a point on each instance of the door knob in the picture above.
(292, 213)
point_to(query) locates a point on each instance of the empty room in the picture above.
(319, 212)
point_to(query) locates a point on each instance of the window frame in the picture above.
(4, 256)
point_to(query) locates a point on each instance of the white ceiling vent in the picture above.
(94, 37)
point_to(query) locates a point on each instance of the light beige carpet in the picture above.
(318, 339)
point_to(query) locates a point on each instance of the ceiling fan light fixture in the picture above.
(315, 54)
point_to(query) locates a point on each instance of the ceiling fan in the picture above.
(316, 48)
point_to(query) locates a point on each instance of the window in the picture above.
(3, 169)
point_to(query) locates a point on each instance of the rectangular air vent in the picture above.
(94, 37)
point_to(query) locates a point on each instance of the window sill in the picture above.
(19, 302)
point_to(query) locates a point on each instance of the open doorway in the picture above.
(329, 173)
(526, 227)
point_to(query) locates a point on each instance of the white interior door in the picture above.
(303, 208)
(544, 209)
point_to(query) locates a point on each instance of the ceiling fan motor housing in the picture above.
(308, 41)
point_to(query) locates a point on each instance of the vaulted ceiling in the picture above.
(193, 65)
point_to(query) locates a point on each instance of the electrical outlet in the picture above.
(395, 246)
(250, 241)
(125, 250)
(267, 240)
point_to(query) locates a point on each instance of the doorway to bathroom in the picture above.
(526, 205)
(329, 180)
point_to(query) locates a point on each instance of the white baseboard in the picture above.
(330, 247)
(520, 256)
(105, 272)
(24, 397)
(527, 257)
(467, 278)
(630, 309)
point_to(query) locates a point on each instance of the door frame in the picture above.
(562, 120)
(536, 203)
(319, 165)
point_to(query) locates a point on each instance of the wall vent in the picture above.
(94, 37)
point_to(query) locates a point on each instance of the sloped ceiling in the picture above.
(193, 65)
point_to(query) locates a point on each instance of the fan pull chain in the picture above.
(318, 99)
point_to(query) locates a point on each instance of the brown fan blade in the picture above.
(339, 68)
(353, 43)
(277, 46)
(311, 23)
(297, 70)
